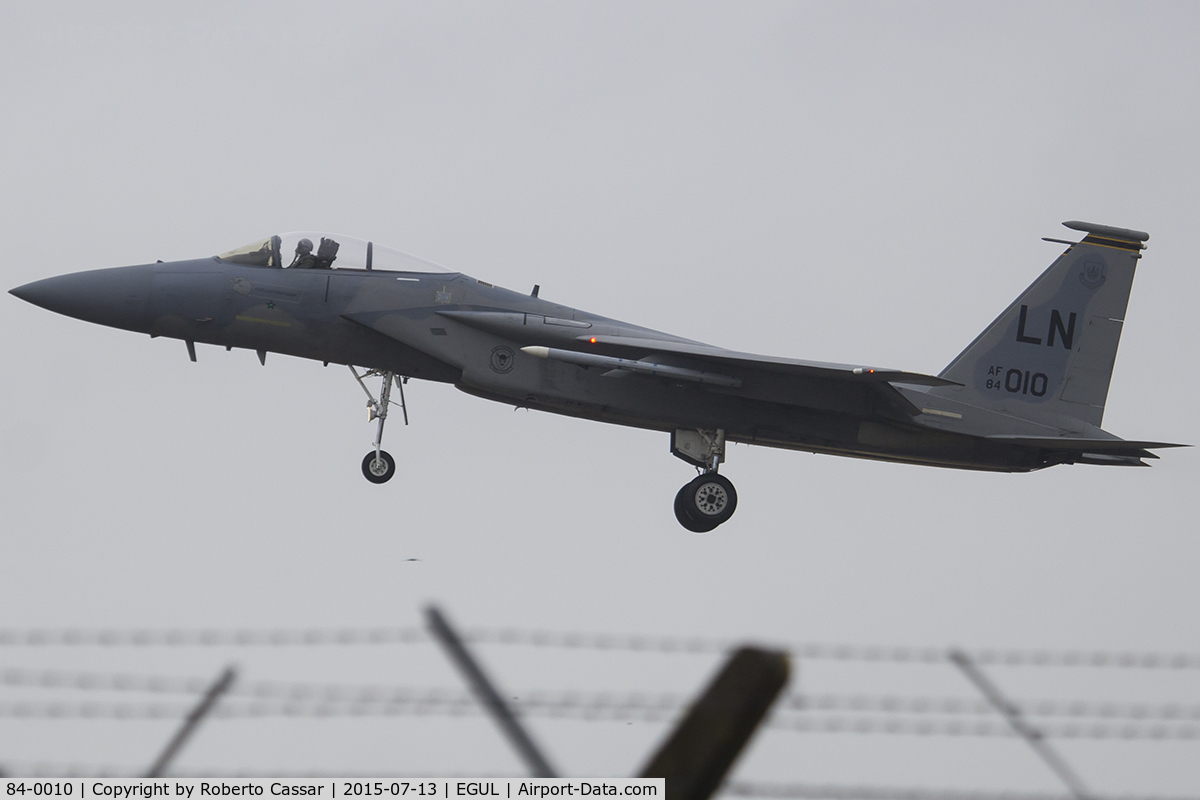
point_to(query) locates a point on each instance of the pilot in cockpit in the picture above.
(324, 258)
(304, 258)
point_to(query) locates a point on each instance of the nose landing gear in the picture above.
(378, 466)
(709, 499)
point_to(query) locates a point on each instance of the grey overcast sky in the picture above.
(843, 182)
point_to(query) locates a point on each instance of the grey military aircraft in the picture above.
(1028, 393)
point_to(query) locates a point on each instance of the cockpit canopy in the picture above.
(315, 250)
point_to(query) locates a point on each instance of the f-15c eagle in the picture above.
(1028, 393)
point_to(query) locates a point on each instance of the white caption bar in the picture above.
(330, 788)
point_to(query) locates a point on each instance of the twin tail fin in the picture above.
(1051, 353)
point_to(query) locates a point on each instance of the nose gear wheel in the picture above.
(379, 468)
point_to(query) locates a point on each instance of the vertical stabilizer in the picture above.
(1051, 353)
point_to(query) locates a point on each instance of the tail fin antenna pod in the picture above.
(1051, 353)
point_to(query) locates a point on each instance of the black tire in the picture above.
(380, 472)
(682, 515)
(710, 499)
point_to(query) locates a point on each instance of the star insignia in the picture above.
(270, 304)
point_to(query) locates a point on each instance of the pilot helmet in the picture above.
(304, 247)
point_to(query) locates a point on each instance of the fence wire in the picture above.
(465, 705)
(592, 641)
(624, 705)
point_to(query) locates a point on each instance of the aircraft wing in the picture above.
(639, 347)
(515, 325)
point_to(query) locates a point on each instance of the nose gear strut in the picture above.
(378, 466)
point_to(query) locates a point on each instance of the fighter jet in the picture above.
(1028, 393)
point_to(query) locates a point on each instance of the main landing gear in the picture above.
(378, 466)
(710, 499)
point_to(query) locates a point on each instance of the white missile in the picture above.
(629, 365)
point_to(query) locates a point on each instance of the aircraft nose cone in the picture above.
(114, 297)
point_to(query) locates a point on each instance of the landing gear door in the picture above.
(690, 446)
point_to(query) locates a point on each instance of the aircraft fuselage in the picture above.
(411, 323)
(1027, 393)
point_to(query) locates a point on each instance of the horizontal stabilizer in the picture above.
(1112, 447)
(816, 369)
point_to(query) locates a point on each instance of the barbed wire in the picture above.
(957, 705)
(843, 652)
(330, 693)
(903, 727)
(574, 640)
(72, 769)
(595, 702)
(464, 705)
(211, 637)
